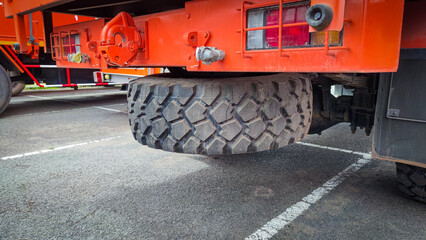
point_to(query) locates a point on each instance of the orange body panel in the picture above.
(371, 39)
(15, 7)
(7, 29)
(60, 19)
(93, 34)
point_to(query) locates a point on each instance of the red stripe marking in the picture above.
(68, 76)
(32, 66)
(22, 65)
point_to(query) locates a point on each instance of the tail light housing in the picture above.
(295, 29)
(64, 44)
(334, 38)
(71, 44)
(97, 76)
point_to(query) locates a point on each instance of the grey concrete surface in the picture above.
(119, 189)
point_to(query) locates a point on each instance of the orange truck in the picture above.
(250, 76)
(35, 65)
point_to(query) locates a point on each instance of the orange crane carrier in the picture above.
(250, 76)
(33, 66)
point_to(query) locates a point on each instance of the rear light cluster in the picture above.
(70, 44)
(295, 30)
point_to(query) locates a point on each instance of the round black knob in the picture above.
(319, 16)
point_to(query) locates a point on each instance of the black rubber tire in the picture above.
(17, 88)
(5, 89)
(220, 116)
(326, 16)
(412, 181)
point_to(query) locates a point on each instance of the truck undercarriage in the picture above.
(251, 76)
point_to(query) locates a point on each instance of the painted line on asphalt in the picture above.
(362, 154)
(58, 98)
(59, 148)
(63, 99)
(111, 109)
(79, 104)
(103, 107)
(272, 227)
(290, 214)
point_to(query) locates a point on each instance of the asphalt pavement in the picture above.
(70, 169)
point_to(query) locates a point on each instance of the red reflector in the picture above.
(71, 44)
(98, 77)
(292, 36)
(271, 35)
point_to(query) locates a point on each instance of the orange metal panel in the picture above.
(170, 28)
(21, 36)
(371, 39)
(381, 35)
(7, 29)
(15, 7)
(60, 19)
(89, 32)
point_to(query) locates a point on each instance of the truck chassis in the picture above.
(250, 76)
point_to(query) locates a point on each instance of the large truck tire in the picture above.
(5, 89)
(17, 88)
(216, 116)
(412, 181)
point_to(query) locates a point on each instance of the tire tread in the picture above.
(220, 116)
(412, 181)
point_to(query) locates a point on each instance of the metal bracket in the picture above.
(197, 39)
(393, 113)
(123, 52)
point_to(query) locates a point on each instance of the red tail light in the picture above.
(292, 36)
(71, 44)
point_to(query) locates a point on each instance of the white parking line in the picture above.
(111, 109)
(79, 104)
(64, 98)
(362, 154)
(57, 98)
(58, 148)
(290, 214)
(103, 107)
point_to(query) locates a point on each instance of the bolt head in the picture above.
(317, 16)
